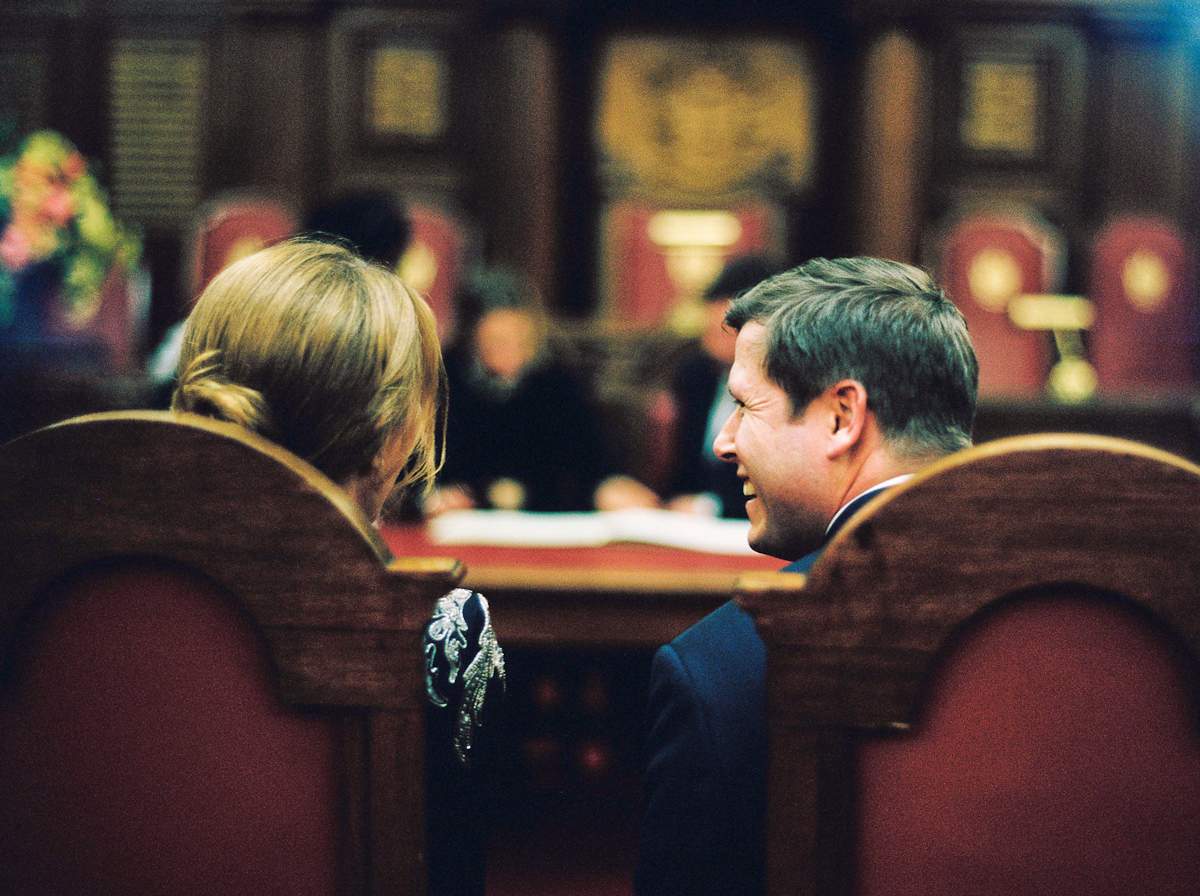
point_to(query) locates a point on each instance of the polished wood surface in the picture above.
(614, 596)
(851, 651)
(340, 617)
(1169, 421)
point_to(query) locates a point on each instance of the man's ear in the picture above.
(847, 402)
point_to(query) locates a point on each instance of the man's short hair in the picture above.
(885, 324)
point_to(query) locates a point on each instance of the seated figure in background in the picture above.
(522, 432)
(700, 481)
(335, 359)
(374, 223)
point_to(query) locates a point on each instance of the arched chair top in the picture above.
(231, 226)
(212, 497)
(924, 558)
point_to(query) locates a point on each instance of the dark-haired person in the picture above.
(848, 376)
(523, 432)
(373, 222)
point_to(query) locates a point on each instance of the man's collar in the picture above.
(846, 510)
(844, 513)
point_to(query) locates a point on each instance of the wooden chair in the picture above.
(988, 682)
(211, 669)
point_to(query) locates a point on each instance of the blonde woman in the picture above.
(335, 359)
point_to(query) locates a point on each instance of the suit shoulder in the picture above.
(723, 646)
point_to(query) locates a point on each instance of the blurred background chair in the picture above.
(442, 250)
(231, 226)
(212, 676)
(985, 257)
(988, 682)
(225, 229)
(1142, 282)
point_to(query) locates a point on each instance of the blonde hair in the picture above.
(322, 352)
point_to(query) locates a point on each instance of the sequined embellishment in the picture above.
(448, 643)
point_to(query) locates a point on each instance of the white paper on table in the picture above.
(512, 528)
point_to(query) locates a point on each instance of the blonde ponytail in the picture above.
(204, 389)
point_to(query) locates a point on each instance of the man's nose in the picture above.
(723, 443)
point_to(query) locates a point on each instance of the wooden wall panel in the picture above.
(1142, 96)
(279, 122)
(24, 74)
(157, 93)
(895, 147)
(517, 171)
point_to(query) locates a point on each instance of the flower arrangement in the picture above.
(56, 225)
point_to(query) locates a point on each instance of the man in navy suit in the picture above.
(848, 376)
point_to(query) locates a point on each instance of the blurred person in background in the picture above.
(522, 431)
(374, 223)
(700, 481)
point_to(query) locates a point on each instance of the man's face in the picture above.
(506, 341)
(718, 339)
(780, 456)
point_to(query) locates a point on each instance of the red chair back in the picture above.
(984, 259)
(232, 226)
(146, 749)
(988, 682)
(1142, 283)
(1056, 751)
(212, 675)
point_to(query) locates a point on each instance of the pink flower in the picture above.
(73, 167)
(15, 249)
(59, 206)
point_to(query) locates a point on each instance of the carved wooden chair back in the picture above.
(988, 682)
(211, 669)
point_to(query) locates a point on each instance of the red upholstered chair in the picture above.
(985, 258)
(232, 226)
(658, 260)
(987, 684)
(440, 252)
(1142, 283)
(211, 670)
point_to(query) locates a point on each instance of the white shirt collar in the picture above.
(887, 483)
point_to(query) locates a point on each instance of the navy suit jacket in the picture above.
(704, 827)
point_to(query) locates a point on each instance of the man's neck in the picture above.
(873, 463)
(861, 498)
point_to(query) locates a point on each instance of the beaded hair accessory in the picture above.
(462, 660)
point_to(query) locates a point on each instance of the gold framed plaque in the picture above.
(406, 92)
(1018, 95)
(1003, 106)
(396, 82)
(686, 117)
